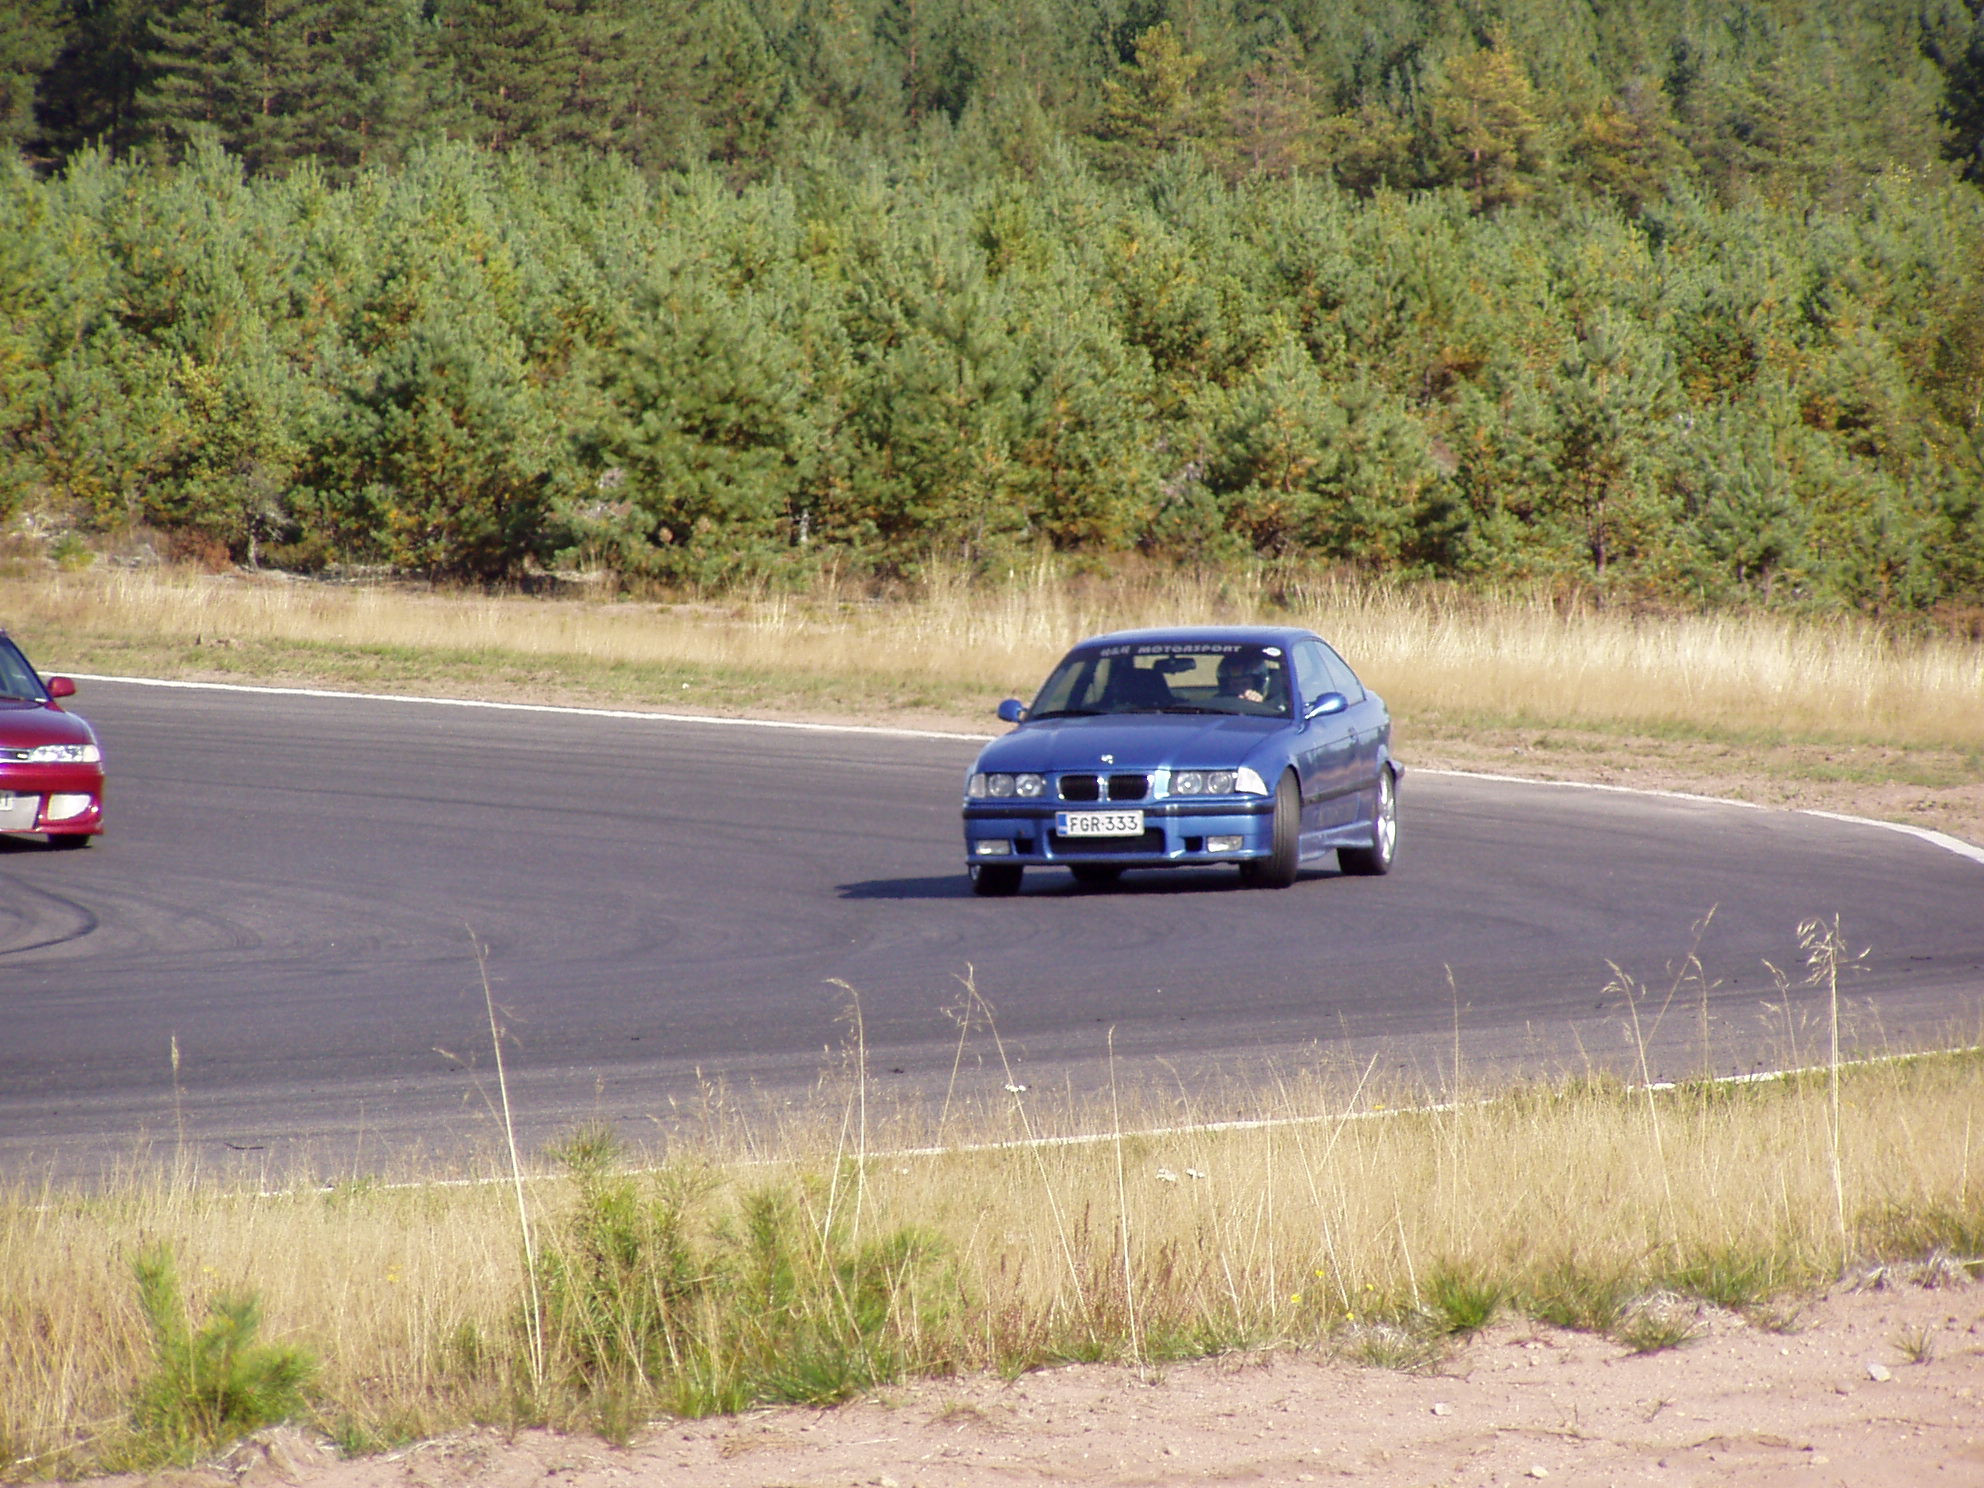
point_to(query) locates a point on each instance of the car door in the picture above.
(1327, 750)
(1365, 719)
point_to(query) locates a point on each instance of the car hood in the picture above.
(1139, 741)
(30, 725)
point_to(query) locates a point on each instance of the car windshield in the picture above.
(18, 683)
(1167, 677)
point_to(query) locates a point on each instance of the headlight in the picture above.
(1210, 782)
(1003, 785)
(63, 754)
(1249, 782)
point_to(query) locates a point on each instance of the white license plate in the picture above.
(1099, 823)
(6, 800)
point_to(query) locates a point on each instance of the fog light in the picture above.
(995, 847)
(68, 807)
(1223, 844)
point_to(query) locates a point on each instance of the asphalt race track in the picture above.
(294, 888)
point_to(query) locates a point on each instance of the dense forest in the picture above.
(1659, 300)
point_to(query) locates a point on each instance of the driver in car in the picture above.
(1244, 675)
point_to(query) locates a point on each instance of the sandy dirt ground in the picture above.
(1878, 1385)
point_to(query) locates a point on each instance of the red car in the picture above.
(51, 766)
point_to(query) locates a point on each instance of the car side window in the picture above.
(1316, 676)
(1341, 676)
(1324, 671)
(17, 678)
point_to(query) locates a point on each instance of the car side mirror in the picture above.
(1328, 703)
(61, 687)
(1012, 710)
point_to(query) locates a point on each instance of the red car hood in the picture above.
(29, 725)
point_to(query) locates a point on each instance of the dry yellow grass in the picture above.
(1432, 652)
(1332, 1223)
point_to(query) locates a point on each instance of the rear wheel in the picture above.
(1094, 873)
(1277, 869)
(1372, 861)
(995, 880)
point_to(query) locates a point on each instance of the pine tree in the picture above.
(1484, 132)
(299, 79)
(199, 83)
(389, 58)
(28, 47)
(440, 457)
(1369, 148)
(1745, 516)
(1606, 398)
(1963, 106)
(88, 96)
(1151, 107)
(29, 271)
(705, 442)
(739, 88)
(1626, 148)
(516, 63)
(612, 42)
(1084, 466)
(1271, 120)
(935, 63)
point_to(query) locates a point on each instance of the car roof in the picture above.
(1259, 635)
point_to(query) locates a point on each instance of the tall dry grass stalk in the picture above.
(534, 1316)
(1146, 1246)
(1431, 651)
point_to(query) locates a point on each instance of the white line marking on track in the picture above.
(1941, 839)
(1593, 785)
(1936, 839)
(443, 702)
(1264, 1123)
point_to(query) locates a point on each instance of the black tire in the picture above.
(1376, 860)
(1095, 873)
(996, 880)
(68, 841)
(1277, 870)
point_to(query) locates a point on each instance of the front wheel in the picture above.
(1277, 870)
(995, 880)
(1375, 860)
(68, 841)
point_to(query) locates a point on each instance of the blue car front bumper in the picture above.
(1175, 832)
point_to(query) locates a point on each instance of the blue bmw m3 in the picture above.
(1249, 745)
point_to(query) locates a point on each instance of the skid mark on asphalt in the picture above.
(33, 919)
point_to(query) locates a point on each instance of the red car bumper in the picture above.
(61, 800)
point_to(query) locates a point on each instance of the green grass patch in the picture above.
(211, 1381)
(782, 1300)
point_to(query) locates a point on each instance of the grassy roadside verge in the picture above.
(835, 1260)
(1832, 715)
